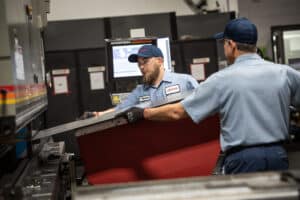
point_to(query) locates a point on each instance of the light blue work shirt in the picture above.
(252, 97)
(172, 84)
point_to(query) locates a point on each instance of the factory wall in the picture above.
(267, 13)
(264, 13)
(80, 9)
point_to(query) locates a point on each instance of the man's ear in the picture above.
(161, 59)
(231, 43)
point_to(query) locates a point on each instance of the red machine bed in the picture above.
(151, 150)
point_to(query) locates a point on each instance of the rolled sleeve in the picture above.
(192, 83)
(203, 102)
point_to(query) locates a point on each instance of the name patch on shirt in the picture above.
(172, 89)
(144, 98)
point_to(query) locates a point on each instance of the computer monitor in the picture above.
(122, 68)
(122, 75)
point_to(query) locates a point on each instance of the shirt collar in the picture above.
(247, 56)
(166, 78)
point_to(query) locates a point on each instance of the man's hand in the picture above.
(98, 114)
(87, 115)
(134, 114)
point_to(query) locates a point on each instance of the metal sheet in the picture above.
(106, 121)
(247, 186)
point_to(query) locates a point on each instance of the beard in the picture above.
(151, 77)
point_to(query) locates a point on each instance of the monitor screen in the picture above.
(164, 45)
(123, 68)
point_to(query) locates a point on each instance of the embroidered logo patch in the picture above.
(172, 89)
(144, 98)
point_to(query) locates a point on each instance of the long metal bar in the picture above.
(269, 186)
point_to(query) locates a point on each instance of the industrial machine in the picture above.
(286, 50)
(258, 186)
(28, 170)
(286, 45)
(41, 181)
(34, 167)
(23, 92)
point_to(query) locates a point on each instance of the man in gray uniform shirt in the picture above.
(252, 97)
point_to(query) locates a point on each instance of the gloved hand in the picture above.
(134, 114)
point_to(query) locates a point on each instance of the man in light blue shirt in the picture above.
(172, 84)
(252, 97)
(158, 85)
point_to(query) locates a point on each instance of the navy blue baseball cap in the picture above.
(239, 30)
(146, 51)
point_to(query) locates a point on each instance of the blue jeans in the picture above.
(256, 159)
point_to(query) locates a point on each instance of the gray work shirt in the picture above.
(172, 84)
(252, 97)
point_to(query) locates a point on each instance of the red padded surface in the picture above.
(151, 150)
(198, 160)
(112, 176)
